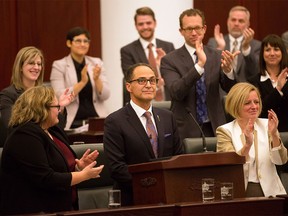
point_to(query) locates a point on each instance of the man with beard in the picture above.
(138, 50)
(240, 37)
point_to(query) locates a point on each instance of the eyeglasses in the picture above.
(143, 81)
(56, 106)
(197, 29)
(32, 64)
(79, 41)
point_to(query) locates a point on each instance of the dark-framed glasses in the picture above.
(79, 41)
(197, 29)
(143, 81)
(55, 106)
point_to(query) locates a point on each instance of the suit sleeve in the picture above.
(178, 81)
(224, 140)
(6, 103)
(114, 149)
(57, 77)
(126, 59)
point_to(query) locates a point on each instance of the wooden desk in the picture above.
(86, 137)
(240, 206)
(93, 135)
(178, 179)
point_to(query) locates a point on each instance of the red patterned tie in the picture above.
(151, 131)
(152, 63)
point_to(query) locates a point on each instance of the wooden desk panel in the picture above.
(86, 137)
(241, 206)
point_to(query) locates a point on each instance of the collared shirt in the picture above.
(199, 69)
(273, 82)
(239, 40)
(191, 51)
(145, 44)
(140, 113)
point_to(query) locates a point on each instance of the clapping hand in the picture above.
(87, 159)
(248, 132)
(272, 122)
(66, 98)
(227, 60)
(219, 38)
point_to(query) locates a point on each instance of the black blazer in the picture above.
(126, 142)
(271, 99)
(134, 53)
(8, 96)
(35, 173)
(181, 76)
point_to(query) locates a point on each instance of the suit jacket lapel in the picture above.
(140, 52)
(134, 121)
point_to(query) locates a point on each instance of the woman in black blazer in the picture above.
(272, 79)
(39, 169)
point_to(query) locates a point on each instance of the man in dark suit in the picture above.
(239, 37)
(184, 68)
(138, 51)
(126, 139)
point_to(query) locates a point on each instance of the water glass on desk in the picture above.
(226, 189)
(208, 194)
(114, 199)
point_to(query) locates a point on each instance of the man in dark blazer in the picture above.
(238, 23)
(181, 75)
(125, 138)
(137, 51)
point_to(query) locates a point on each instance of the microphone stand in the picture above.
(200, 129)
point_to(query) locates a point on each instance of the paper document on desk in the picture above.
(81, 128)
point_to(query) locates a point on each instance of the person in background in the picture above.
(284, 37)
(138, 50)
(271, 80)
(27, 72)
(240, 37)
(84, 76)
(39, 171)
(138, 132)
(255, 138)
(192, 74)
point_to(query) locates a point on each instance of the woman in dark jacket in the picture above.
(39, 169)
(272, 79)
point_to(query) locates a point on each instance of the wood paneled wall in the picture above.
(267, 16)
(44, 24)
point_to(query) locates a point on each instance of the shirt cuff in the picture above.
(199, 69)
(246, 52)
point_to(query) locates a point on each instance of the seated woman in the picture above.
(39, 171)
(255, 138)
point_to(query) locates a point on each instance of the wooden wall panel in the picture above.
(44, 24)
(267, 16)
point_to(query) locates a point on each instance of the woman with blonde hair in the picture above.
(39, 170)
(255, 138)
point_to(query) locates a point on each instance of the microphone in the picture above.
(200, 129)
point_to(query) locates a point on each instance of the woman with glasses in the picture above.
(39, 170)
(28, 71)
(84, 75)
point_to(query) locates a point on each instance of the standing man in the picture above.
(192, 74)
(138, 132)
(239, 37)
(139, 51)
